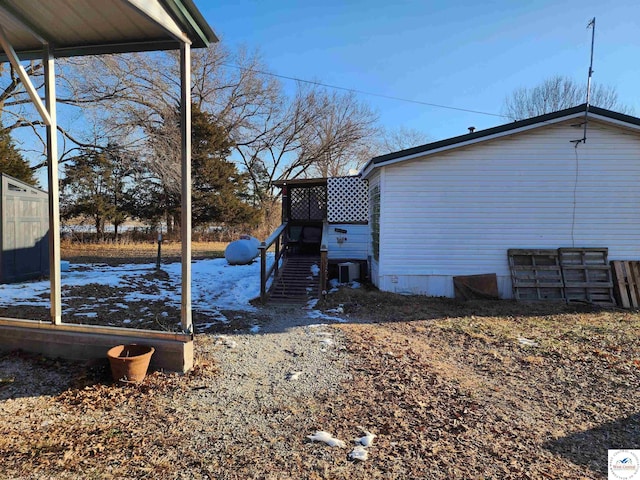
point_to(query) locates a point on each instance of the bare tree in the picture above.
(144, 90)
(557, 93)
(17, 111)
(343, 134)
(274, 135)
(401, 139)
(315, 133)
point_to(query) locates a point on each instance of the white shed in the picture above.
(455, 207)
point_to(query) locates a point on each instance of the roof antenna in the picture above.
(592, 25)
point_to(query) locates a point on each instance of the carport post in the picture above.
(54, 196)
(185, 214)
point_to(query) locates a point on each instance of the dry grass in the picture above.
(516, 390)
(113, 253)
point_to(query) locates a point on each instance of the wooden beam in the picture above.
(173, 354)
(54, 194)
(185, 222)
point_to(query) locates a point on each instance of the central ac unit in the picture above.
(348, 272)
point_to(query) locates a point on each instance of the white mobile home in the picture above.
(455, 207)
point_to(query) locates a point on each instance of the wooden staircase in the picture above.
(295, 283)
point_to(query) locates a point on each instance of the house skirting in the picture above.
(173, 351)
(434, 285)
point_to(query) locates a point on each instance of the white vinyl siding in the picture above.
(356, 245)
(457, 212)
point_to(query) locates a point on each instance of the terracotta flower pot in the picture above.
(129, 363)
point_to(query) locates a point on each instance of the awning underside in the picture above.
(93, 27)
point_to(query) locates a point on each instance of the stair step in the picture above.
(295, 283)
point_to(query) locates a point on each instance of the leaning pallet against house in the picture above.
(626, 282)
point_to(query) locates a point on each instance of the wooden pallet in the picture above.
(586, 275)
(626, 281)
(536, 274)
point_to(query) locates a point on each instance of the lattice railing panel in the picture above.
(347, 200)
(308, 203)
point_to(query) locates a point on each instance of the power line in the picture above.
(355, 90)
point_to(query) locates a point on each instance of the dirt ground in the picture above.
(468, 390)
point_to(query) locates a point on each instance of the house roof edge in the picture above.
(468, 138)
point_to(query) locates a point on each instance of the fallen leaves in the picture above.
(449, 397)
(472, 387)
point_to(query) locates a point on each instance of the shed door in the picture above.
(24, 232)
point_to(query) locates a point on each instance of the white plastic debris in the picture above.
(226, 341)
(326, 437)
(527, 342)
(367, 439)
(359, 453)
(294, 375)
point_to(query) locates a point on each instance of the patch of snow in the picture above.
(216, 286)
(315, 270)
(205, 326)
(255, 328)
(338, 309)
(326, 437)
(334, 283)
(320, 315)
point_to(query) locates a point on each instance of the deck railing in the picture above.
(274, 238)
(324, 260)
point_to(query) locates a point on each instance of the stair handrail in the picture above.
(324, 260)
(265, 274)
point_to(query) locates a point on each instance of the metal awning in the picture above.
(47, 29)
(95, 27)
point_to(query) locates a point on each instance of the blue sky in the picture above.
(468, 55)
